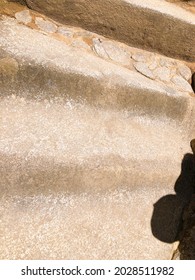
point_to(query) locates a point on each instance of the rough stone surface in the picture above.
(110, 50)
(86, 64)
(23, 16)
(163, 74)
(182, 84)
(116, 53)
(65, 31)
(45, 25)
(163, 68)
(185, 72)
(99, 49)
(85, 140)
(66, 173)
(167, 62)
(145, 28)
(153, 64)
(8, 67)
(143, 68)
(80, 44)
(139, 57)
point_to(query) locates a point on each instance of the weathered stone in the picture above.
(184, 71)
(109, 50)
(145, 28)
(71, 145)
(80, 44)
(65, 32)
(116, 53)
(143, 69)
(162, 73)
(59, 54)
(8, 67)
(140, 57)
(182, 84)
(45, 25)
(23, 17)
(167, 62)
(153, 65)
(173, 71)
(99, 49)
(84, 33)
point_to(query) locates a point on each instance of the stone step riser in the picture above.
(29, 177)
(42, 83)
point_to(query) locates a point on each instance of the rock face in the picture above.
(154, 25)
(23, 16)
(172, 73)
(95, 158)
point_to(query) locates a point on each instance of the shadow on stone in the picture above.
(193, 82)
(166, 221)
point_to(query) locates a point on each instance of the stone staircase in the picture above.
(94, 126)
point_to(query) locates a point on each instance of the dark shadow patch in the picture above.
(166, 221)
(193, 82)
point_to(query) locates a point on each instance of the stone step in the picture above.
(173, 73)
(77, 177)
(62, 71)
(155, 25)
(90, 154)
(113, 225)
(85, 141)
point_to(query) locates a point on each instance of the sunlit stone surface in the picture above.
(95, 161)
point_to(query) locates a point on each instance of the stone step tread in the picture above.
(140, 30)
(149, 64)
(58, 226)
(70, 131)
(115, 86)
